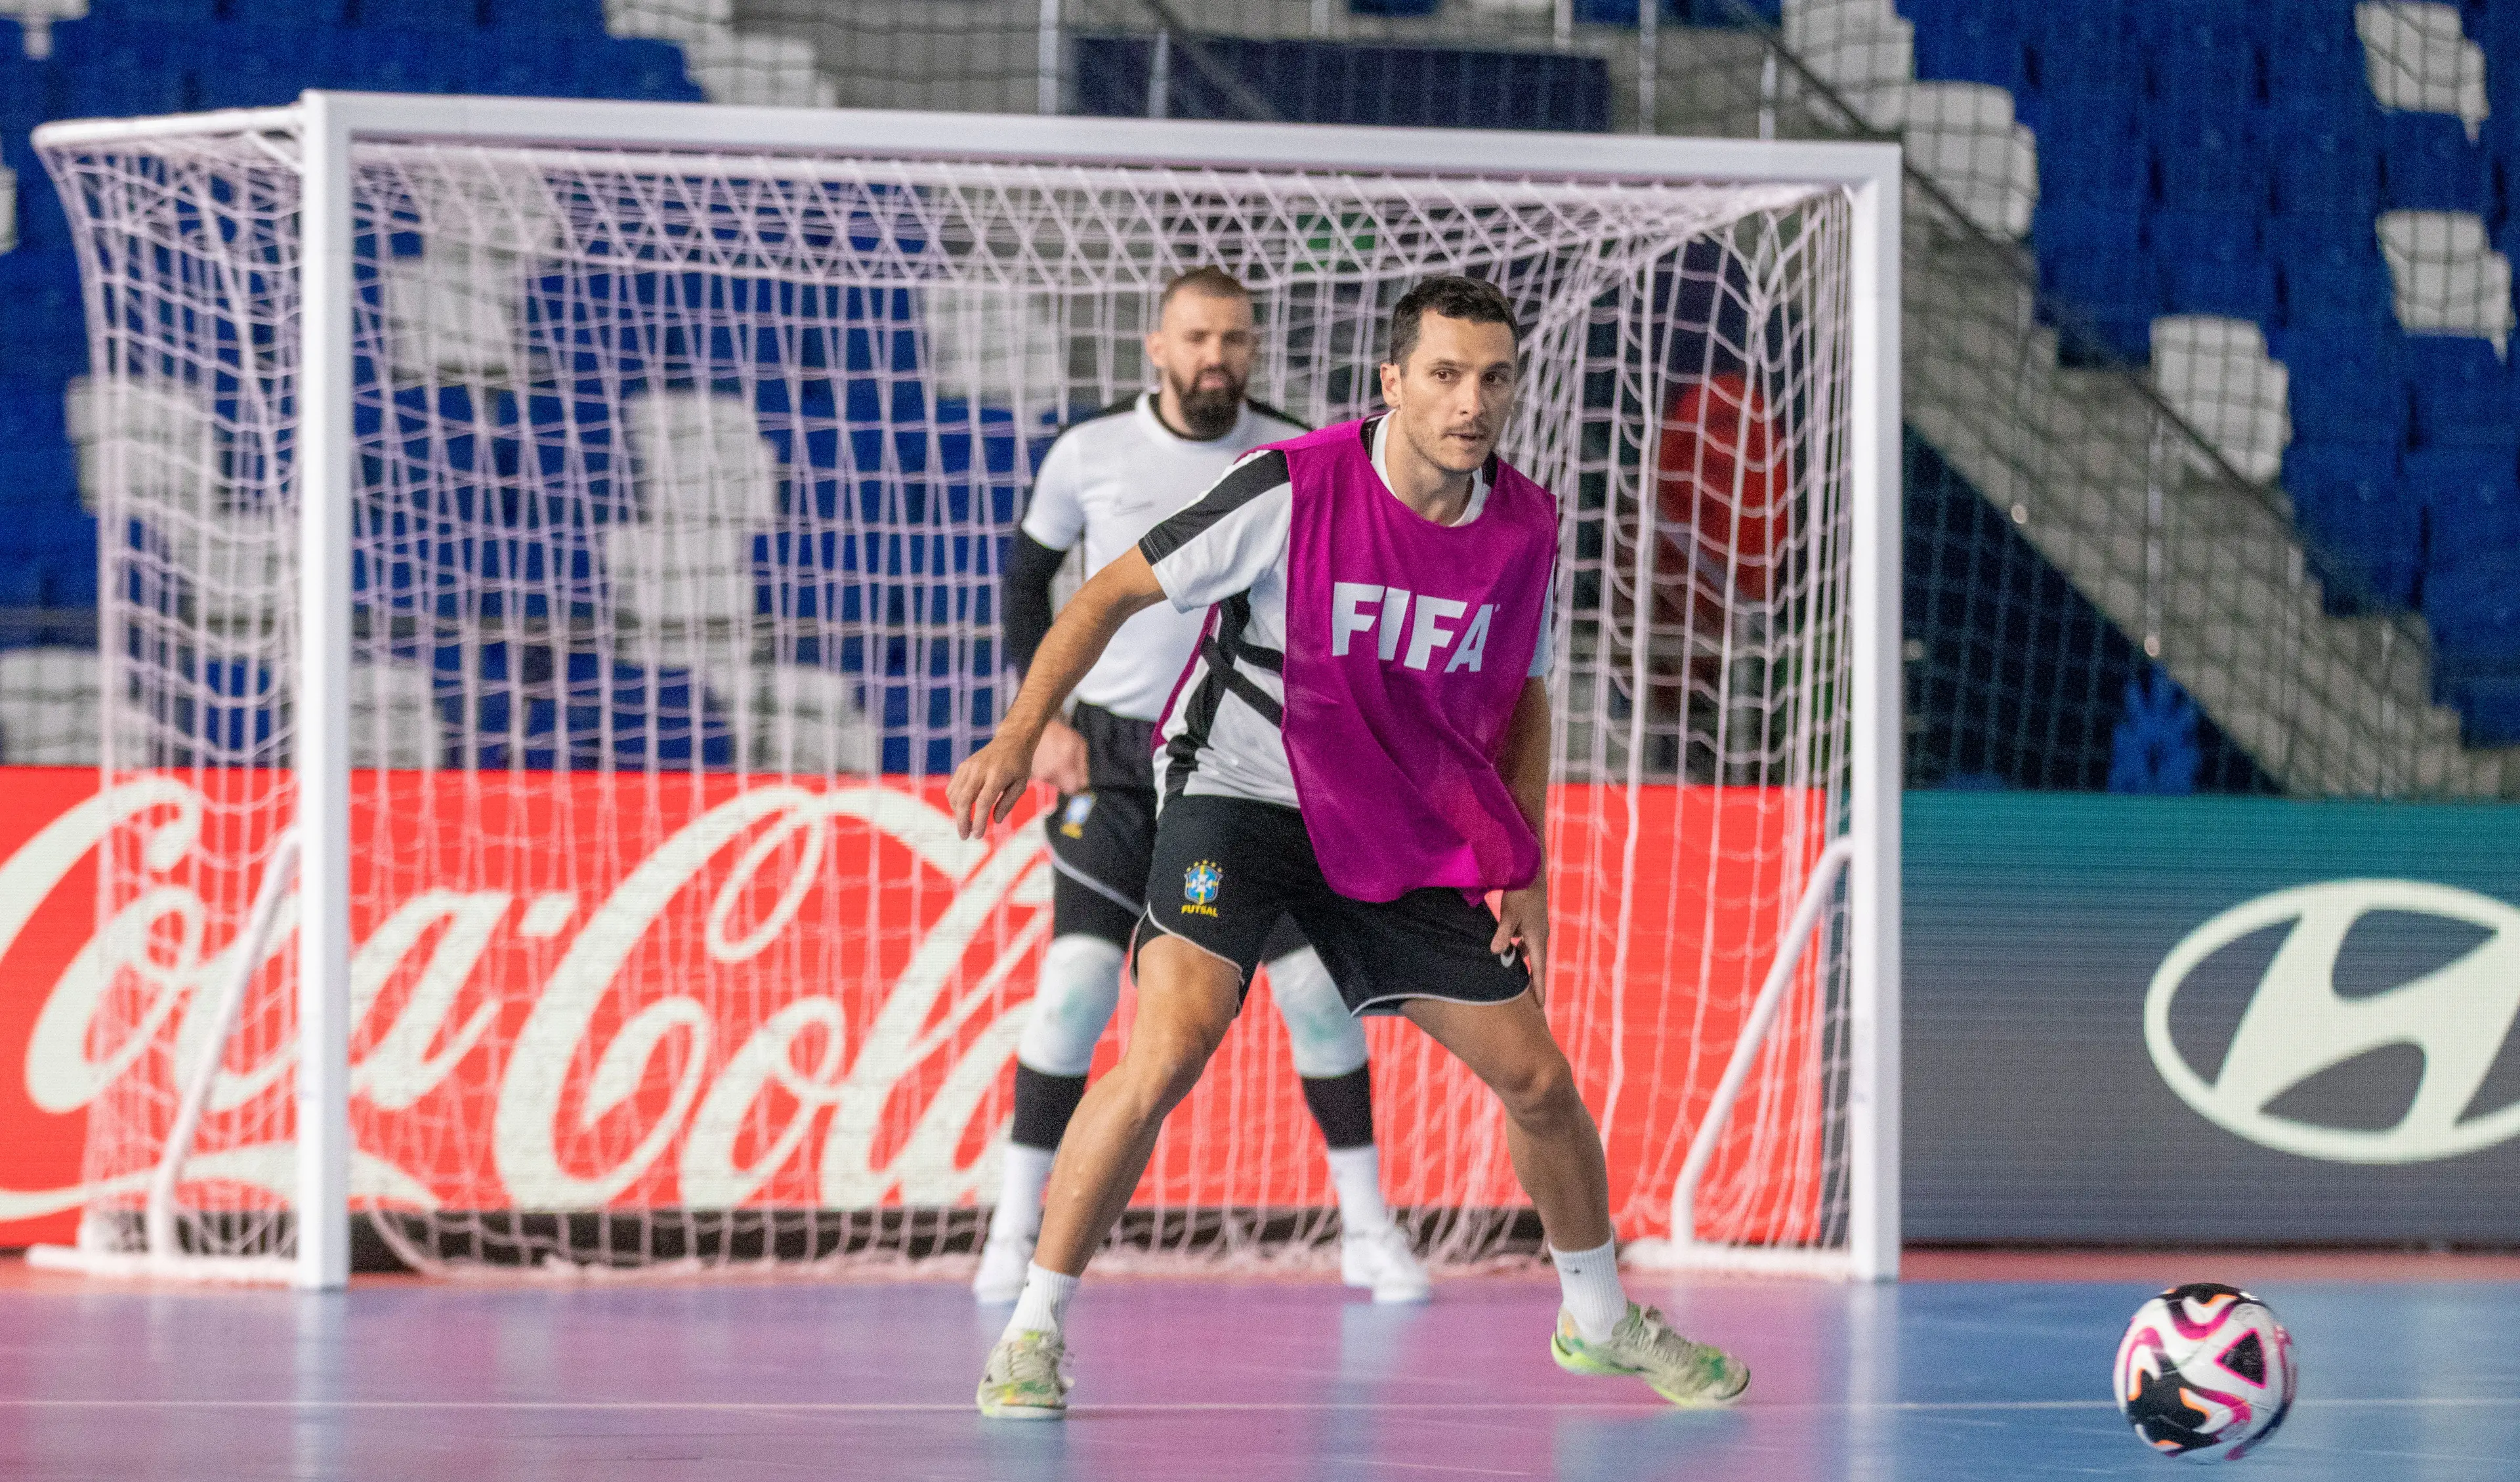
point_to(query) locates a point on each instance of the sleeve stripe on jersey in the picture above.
(1265, 410)
(1242, 483)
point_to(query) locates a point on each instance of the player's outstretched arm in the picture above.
(986, 785)
(1523, 916)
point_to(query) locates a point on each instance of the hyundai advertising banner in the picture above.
(2247, 1021)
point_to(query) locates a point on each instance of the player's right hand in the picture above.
(985, 788)
(1058, 759)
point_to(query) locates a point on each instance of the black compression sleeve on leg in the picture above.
(1023, 597)
(1344, 1106)
(1043, 1106)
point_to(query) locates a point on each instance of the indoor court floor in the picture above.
(1986, 1367)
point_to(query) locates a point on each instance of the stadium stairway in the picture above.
(2289, 644)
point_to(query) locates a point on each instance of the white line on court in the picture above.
(2423, 1402)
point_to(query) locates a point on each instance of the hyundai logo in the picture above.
(2297, 1026)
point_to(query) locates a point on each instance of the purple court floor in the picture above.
(1942, 1380)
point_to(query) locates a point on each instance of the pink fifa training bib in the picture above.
(1407, 646)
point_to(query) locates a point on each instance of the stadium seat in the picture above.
(2422, 64)
(1970, 42)
(2338, 281)
(1427, 7)
(2429, 164)
(2315, 65)
(2462, 393)
(2472, 497)
(48, 706)
(2093, 162)
(417, 15)
(2474, 612)
(2348, 385)
(562, 18)
(2200, 58)
(2327, 167)
(2210, 165)
(2445, 277)
(2363, 529)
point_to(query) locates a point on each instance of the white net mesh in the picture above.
(681, 484)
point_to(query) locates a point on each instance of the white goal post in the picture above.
(1840, 885)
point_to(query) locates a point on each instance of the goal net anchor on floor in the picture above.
(1684, 1251)
(164, 1254)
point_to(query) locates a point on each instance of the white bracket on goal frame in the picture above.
(326, 124)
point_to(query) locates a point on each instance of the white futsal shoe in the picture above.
(1383, 1263)
(1003, 1256)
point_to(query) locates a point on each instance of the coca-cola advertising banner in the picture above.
(597, 990)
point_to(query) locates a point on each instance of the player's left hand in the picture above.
(1522, 920)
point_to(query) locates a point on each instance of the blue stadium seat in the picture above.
(632, 68)
(2066, 224)
(2474, 610)
(2225, 279)
(155, 15)
(2094, 162)
(2332, 279)
(564, 18)
(2472, 497)
(2201, 59)
(2426, 163)
(1969, 41)
(2081, 62)
(2348, 385)
(39, 474)
(2327, 167)
(419, 15)
(260, 69)
(2318, 67)
(2109, 296)
(1427, 7)
(289, 15)
(2210, 165)
(2363, 529)
(2177, 234)
(40, 318)
(2462, 394)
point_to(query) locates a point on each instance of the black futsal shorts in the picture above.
(1102, 839)
(1227, 869)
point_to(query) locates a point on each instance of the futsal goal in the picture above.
(549, 568)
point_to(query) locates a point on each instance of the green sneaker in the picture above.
(1027, 1379)
(1644, 1347)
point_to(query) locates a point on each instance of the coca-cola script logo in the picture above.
(776, 992)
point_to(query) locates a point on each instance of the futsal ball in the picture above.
(2205, 1373)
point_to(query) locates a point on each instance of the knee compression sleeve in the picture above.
(1327, 1040)
(1080, 986)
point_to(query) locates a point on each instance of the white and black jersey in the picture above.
(1228, 550)
(1105, 483)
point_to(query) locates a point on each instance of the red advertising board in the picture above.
(601, 990)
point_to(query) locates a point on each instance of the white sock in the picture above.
(1043, 1307)
(1589, 1282)
(1357, 1174)
(1027, 1173)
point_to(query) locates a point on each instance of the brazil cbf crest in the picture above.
(1200, 885)
(1071, 819)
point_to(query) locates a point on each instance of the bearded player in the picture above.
(1105, 483)
(1362, 744)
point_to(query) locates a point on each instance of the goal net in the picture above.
(680, 481)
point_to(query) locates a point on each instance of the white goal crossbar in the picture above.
(325, 126)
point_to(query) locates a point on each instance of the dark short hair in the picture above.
(1472, 300)
(1214, 282)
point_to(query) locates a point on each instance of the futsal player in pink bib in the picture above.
(1360, 742)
